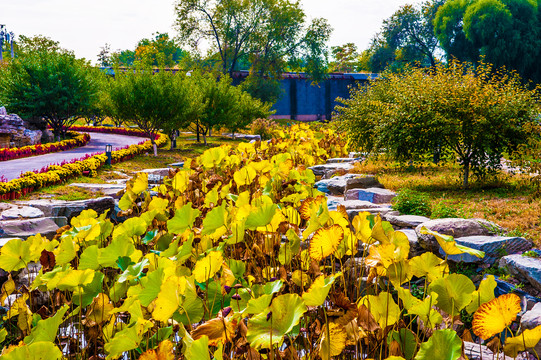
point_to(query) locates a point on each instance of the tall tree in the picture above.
(406, 37)
(346, 58)
(51, 85)
(505, 32)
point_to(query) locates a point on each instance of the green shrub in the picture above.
(443, 210)
(410, 202)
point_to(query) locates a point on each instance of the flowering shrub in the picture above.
(55, 174)
(40, 149)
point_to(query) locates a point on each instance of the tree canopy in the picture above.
(472, 114)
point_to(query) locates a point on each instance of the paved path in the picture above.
(12, 169)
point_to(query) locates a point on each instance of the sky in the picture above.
(84, 26)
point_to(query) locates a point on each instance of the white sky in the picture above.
(85, 25)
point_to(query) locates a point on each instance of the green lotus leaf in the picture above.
(127, 339)
(89, 258)
(318, 291)
(192, 308)
(46, 330)
(215, 219)
(135, 271)
(212, 197)
(428, 265)
(121, 247)
(442, 345)
(183, 219)
(76, 278)
(269, 288)
(407, 340)
(39, 350)
(3, 334)
(89, 291)
(67, 251)
(424, 310)
(15, 255)
(261, 216)
(150, 286)
(199, 349)
(454, 292)
(269, 327)
(130, 228)
(483, 294)
(257, 305)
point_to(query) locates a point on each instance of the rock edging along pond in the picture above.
(237, 253)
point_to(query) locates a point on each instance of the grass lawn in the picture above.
(508, 200)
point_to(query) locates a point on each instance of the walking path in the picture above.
(12, 169)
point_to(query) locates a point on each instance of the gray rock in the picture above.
(107, 189)
(494, 248)
(374, 195)
(21, 212)
(3, 110)
(415, 247)
(480, 352)
(363, 182)
(342, 160)
(405, 221)
(177, 164)
(335, 185)
(70, 209)
(457, 228)
(320, 170)
(524, 268)
(25, 228)
(162, 172)
(333, 202)
(530, 320)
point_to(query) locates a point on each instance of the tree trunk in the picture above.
(197, 131)
(205, 138)
(154, 147)
(466, 173)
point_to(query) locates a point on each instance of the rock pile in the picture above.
(13, 132)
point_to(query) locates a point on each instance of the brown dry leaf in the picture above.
(395, 349)
(218, 330)
(466, 336)
(495, 345)
(366, 320)
(47, 260)
(163, 352)
(99, 311)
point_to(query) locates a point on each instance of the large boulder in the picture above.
(335, 185)
(523, 268)
(373, 211)
(320, 170)
(25, 228)
(457, 228)
(70, 209)
(415, 248)
(334, 201)
(475, 351)
(20, 212)
(3, 110)
(494, 248)
(374, 195)
(405, 221)
(362, 182)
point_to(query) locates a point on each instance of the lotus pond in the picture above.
(236, 256)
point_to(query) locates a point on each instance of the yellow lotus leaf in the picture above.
(449, 246)
(141, 183)
(385, 311)
(263, 166)
(333, 341)
(398, 272)
(218, 330)
(292, 215)
(208, 266)
(528, 339)
(426, 313)
(311, 206)
(494, 316)
(361, 224)
(318, 291)
(381, 255)
(244, 176)
(99, 311)
(165, 351)
(181, 181)
(484, 294)
(428, 265)
(227, 278)
(169, 298)
(7, 289)
(24, 319)
(158, 204)
(325, 242)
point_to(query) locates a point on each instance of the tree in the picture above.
(407, 37)
(150, 101)
(123, 58)
(267, 32)
(104, 56)
(248, 109)
(38, 43)
(54, 86)
(159, 51)
(346, 58)
(474, 113)
(503, 32)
